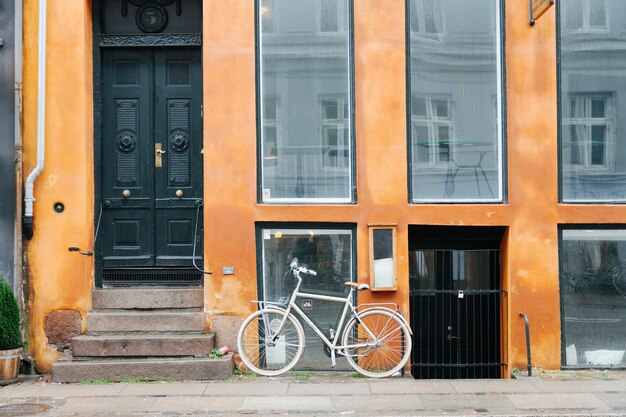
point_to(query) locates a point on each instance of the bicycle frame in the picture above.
(331, 344)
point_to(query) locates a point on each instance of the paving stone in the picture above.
(246, 388)
(612, 399)
(101, 404)
(377, 402)
(619, 385)
(197, 404)
(154, 389)
(574, 386)
(411, 386)
(500, 386)
(20, 391)
(557, 401)
(291, 403)
(328, 388)
(80, 390)
(465, 402)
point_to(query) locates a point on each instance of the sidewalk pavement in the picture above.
(587, 393)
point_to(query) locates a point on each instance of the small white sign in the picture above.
(266, 193)
(276, 355)
(267, 234)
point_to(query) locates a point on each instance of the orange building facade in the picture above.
(527, 215)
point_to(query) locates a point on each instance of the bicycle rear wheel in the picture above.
(265, 356)
(389, 350)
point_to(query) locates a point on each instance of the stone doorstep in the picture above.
(138, 344)
(145, 321)
(147, 298)
(151, 369)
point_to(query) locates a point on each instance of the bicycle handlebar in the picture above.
(295, 267)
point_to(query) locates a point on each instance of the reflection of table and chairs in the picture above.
(308, 171)
(463, 148)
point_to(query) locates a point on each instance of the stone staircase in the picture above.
(144, 333)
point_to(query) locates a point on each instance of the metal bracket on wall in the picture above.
(538, 9)
(95, 238)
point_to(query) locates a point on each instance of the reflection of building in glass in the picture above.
(593, 87)
(426, 18)
(456, 143)
(431, 127)
(305, 66)
(588, 143)
(585, 15)
(593, 279)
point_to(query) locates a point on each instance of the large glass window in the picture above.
(593, 97)
(455, 121)
(306, 134)
(593, 287)
(326, 250)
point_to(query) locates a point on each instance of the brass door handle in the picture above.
(158, 155)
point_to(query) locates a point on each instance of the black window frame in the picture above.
(259, 121)
(503, 122)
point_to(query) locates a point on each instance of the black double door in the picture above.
(151, 184)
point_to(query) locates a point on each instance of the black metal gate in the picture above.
(456, 310)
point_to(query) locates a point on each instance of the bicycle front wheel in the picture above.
(386, 352)
(264, 351)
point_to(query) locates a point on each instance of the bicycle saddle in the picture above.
(359, 287)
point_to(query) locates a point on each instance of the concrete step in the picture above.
(148, 298)
(178, 369)
(141, 344)
(145, 321)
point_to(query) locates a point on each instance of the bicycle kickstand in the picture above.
(333, 358)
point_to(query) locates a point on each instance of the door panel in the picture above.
(127, 235)
(151, 97)
(178, 127)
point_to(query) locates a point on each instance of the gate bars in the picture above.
(458, 333)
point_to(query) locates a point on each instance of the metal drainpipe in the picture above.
(29, 197)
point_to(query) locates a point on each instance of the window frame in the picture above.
(561, 163)
(394, 256)
(501, 113)
(260, 255)
(351, 198)
(560, 229)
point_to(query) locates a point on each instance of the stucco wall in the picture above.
(62, 280)
(59, 279)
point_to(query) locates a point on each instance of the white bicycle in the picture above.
(376, 339)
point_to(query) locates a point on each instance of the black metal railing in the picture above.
(458, 333)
